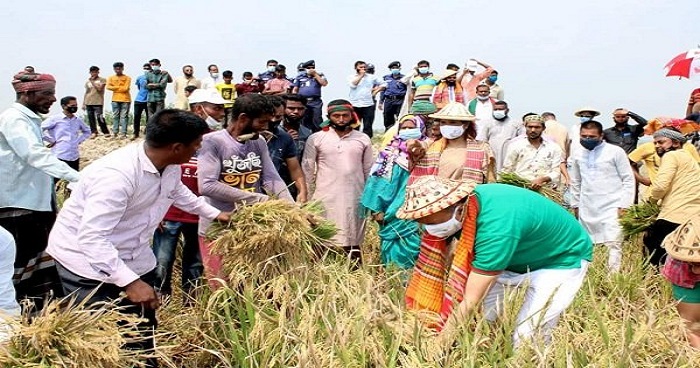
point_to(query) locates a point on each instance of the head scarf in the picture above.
(670, 134)
(27, 82)
(396, 152)
(342, 107)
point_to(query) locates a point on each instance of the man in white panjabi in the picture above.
(602, 186)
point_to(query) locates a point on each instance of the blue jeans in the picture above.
(164, 246)
(120, 120)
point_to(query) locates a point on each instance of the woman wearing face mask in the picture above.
(507, 237)
(384, 194)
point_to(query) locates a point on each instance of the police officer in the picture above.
(269, 72)
(392, 98)
(308, 84)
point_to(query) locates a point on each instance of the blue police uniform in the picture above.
(310, 89)
(392, 98)
(266, 76)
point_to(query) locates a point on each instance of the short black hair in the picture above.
(592, 124)
(210, 65)
(451, 66)
(147, 65)
(253, 105)
(280, 68)
(277, 101)
(501, 103)
(156, 61)
(294, 97)
(118, 64)
(190, 89)
(271, 61)
(548, 115)
(426, 62)
(67, 99)
(483, 85)
(227, 74)
(247, 74)
(359, 62)
(170, 126)
(94, 69)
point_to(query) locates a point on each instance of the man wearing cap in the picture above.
(506, 237)
(27, 209)
(336, 164)
(584, 114)
(391, 99)
(534, 158)
(676, 186)
(448, 90)
(308, 84)
(602, 188)
(473, 79)
(363, 87)
(622, 134)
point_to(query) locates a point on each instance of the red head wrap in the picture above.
(26, 82)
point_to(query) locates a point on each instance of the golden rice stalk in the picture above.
(71, 334)
(270, 238)
(639, 217)
(518, 181)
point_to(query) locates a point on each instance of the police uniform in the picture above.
(310, 89)
(392, 98)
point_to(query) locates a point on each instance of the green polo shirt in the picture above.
(519, 230)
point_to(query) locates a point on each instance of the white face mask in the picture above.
(499, 114)
(451, 131)
(445, 229)
(213, 123)
(214, 75)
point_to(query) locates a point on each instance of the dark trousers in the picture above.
(95, 116)
(81, 287)
(391, 112)
(139, 109)
(654, 237)
(165, 242)
(313, 116)
(35, 273)
(75, 164)
(366, 116)
(154, 107)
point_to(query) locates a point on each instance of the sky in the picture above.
(552, 55)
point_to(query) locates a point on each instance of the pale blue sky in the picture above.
(551, 55)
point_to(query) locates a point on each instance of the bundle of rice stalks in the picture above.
(70, 334)
(62, 192)
(270, 238)
(518, 181)
(639, 217)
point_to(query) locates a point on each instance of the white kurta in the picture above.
(602, 181)
(499, 134)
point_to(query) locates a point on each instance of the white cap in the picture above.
(206, 95)
(472, 64)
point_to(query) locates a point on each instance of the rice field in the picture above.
(327, 314)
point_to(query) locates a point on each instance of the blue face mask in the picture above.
(423, 70)
(395, 71)
(410, 133)
(493, 79)
(585, 119)
(590, 143)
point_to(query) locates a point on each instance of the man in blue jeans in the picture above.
(141, 100)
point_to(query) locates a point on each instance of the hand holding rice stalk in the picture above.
(518, 181)
(269, 238)
(638, 218)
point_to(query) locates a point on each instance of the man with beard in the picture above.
(27, 209)
(449, 90)
(676, 186)
(187, 79)
(534, 158)
(234, 167)
(622, 134)
(499, 131)
(336, 163)
(295, 108)
(363, 87)
(283, 152)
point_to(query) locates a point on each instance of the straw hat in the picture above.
(587, 109)
(448, 73)
(683, 243)
(454, 111)
(431, 194)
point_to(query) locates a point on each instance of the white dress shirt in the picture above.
(104, 229)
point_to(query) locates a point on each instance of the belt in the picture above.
(313, 98)
(394, 97)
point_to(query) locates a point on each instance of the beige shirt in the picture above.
(530, 162)
(180, 83)
(677, 184)
(558, 133)
(93, 95)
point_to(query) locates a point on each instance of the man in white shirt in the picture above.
(500, 131)
(213, 79)
(534, 158)
(482, 106)
(102, 237)
(26, 189)
(363, 88)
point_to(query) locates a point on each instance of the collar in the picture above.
(144, 162)
(25, 110)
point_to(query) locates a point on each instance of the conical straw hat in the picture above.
(683, 243)
(430, 194)
(454, 111)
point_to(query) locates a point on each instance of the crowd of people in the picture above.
(460, 238)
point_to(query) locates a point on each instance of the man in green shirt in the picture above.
(508, 237)
(156, 81)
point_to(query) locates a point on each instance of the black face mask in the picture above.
(274, 125)
(72, 109)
